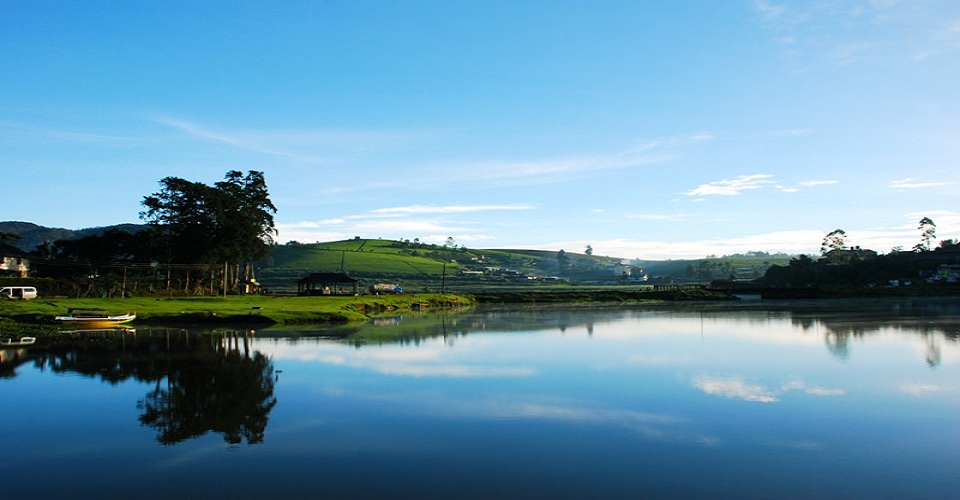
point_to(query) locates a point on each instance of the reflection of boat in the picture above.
(86, 317)
(16, 343)
(106, 330)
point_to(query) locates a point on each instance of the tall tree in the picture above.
(181, 220)
(834, 240)
(928, 233)
(193, 223)
(563, 261)
(246, 230)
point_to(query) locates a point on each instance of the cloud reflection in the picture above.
(658, 426)
(454, 371)
(738, 388)
(426, 361)
(920, 389)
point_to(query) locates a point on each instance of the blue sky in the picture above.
(649, 130)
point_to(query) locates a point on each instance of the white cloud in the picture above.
(658, 217)
(732, 187)
(313, 224)
(448, 209)
(791, 242)
(911, 183)
(813, 183)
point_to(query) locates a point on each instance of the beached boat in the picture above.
(93, 318)
(16, 343)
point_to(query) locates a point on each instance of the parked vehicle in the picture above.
(18, 292)
(386, 288)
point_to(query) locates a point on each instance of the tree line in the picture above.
(842, 267)
(198, 239)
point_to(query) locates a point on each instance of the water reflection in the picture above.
(214, 388)
(839, 323)
(728, 401)
(201, 383)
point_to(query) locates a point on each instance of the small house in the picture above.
(13, 261)
(327, 284)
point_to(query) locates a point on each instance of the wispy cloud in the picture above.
(839, 34)
(805, 184)
(813, 183)
(446, 209)
(769, 10)
(564, 169)
(429, 223)
(732, 187)
(911, 183)
(303, 145)
(47, 134)
(658, 217)
(792, 242)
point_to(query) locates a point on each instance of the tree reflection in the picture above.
(223, 390)
(934, 323)
(202, 383)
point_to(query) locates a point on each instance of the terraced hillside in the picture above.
(417, 266)
(422, 267)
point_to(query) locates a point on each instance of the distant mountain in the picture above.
(32, 235)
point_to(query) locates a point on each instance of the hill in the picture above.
(32, 235)
(422, 267)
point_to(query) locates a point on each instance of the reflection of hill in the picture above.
(933, 319)
(411, 329)
(202, 383)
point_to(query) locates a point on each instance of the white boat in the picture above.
(93, 318)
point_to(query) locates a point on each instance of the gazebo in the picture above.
(327, 284)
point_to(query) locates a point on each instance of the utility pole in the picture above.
(443, 279)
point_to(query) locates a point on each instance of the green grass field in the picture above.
(233, 309)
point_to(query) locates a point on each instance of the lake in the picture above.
(755, 399)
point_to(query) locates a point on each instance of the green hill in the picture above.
(423, 267)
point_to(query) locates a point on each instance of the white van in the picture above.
(18, 292)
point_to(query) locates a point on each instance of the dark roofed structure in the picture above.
(327, 284)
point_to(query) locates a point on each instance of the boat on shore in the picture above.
(85, 317)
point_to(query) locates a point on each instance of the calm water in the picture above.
(858, 399)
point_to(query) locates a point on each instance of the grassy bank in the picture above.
(234, 309)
